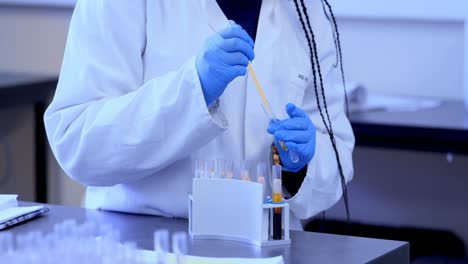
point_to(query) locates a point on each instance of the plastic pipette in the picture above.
(271, 116)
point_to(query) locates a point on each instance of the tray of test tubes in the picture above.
(237, 204)
(73, 243)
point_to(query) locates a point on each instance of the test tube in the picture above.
(277, 198)
(210, 169)
(21, 242)
(130, 252)
(6, 243)
(220, 166)
(199, 169)
(261, 175)
(244, 173)
(161, 245)
(179, 246)
(229, 168)
(35, 238)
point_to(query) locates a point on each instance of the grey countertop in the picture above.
(306, 247)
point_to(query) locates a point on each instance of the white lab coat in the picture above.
(129, 117)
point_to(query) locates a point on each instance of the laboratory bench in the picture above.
(306, 247)
(440, 129)
(18, 89)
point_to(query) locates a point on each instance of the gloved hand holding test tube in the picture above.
(269, 113)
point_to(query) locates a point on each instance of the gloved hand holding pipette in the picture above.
(224, 57)
(298, 134)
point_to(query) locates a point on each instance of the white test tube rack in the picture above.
(228, 209)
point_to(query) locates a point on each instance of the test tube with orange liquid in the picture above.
(277, 197)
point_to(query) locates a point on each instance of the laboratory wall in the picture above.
(421, 58)
(402, 47)
(32, 40)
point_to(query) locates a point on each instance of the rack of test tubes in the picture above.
(72, 243)
(239, 201)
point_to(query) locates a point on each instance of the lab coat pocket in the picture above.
(299, 80)
(300, 70)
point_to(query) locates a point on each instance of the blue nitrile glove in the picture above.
(224, 57)
(298, 134)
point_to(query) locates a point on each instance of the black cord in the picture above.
(314, 59)
(340, 53)
(337, 59)
(331, 134)
(313, 67)
(319, 70)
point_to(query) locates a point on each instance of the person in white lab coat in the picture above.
(147, 87)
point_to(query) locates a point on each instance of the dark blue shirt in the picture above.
(243, 12)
